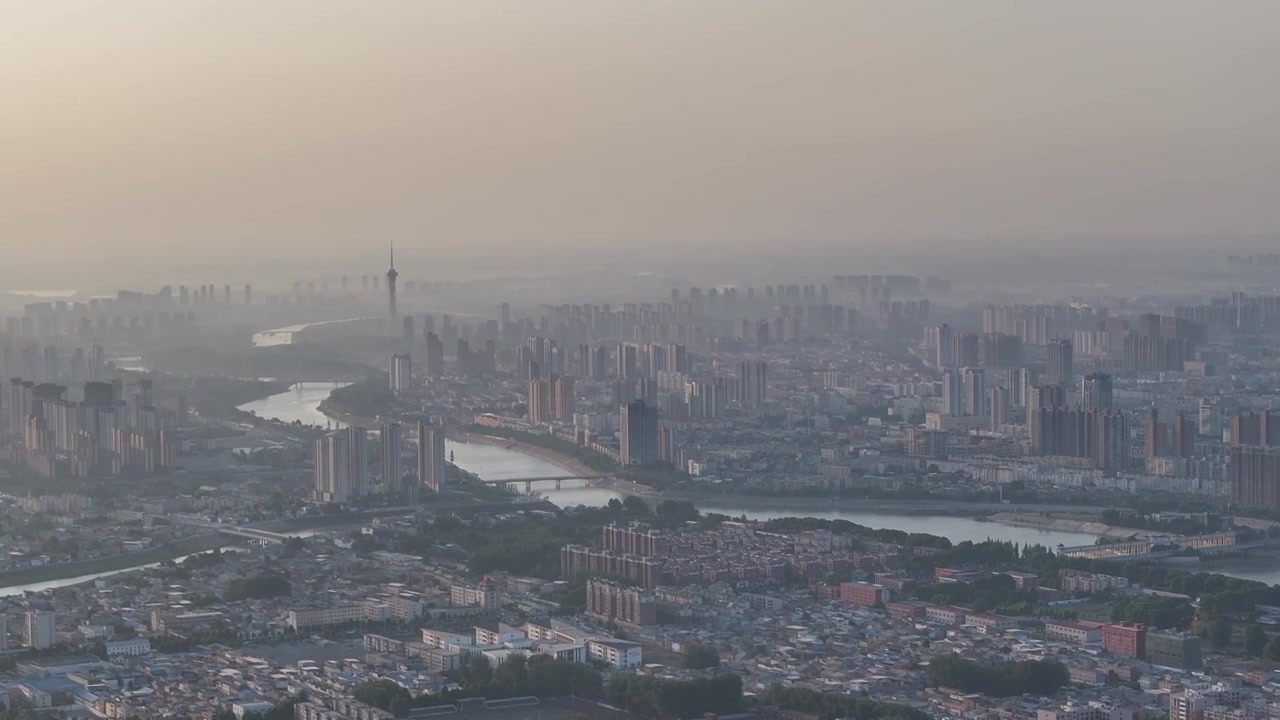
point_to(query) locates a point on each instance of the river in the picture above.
(286, 335)
(64, 582)
(300, 403)
(493, 462)
(54, 584)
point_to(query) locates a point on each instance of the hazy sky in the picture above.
(185, 131)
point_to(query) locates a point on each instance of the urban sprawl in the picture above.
(731, 525)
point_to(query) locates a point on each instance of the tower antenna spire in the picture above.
(391, 284)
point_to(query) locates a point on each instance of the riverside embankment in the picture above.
(1065, 524)
(306, 404)
(571, 465)
(113, 563)
(86, 570)
(887, 505)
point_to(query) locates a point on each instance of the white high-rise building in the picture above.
(940, 340)
(1019, 381)
(41, 629)
(392, 466)
(358, 460)
(952, 392)
(975, 392)
(332, 464)
(401, 372)
(431, 458)
(998, 406)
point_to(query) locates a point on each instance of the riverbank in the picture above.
(895, 506)
(710, 500)
(221, 398)
(571, 465)
(800, 504)
(124, 562)
(113, 563)
(1065, 524)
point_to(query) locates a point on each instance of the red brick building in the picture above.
(910, 608)
(864, 594)
(1128, 639)
(944, 574)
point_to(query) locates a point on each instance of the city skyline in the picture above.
(640, 360)
(1015, 125)
(841, 439)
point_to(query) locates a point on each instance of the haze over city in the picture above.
(569, 360)
(509, 134)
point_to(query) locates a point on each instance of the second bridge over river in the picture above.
(529, 481)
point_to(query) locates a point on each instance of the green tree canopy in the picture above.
(829, 706)
(258, 587)
(382, 694)
(1220, 633)
(700, 656)
(653, 697)
(1255, 641)
(1031, 677)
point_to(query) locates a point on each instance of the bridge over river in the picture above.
(529, 481)
(264, 537)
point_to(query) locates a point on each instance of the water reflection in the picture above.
(494, 462)
(300, 403)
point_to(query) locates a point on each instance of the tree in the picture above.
(700, 656)
(1158, 612)
(833, 705)
(364, 545)
(1272, 650)
(539, 675)
(285, 710)
(400, 706)
(1220, 633)
(636, 506)
(381, 694)
(654, 697)
(676, 511)
(513, 673)
(1255, 641)
(258, 587)
(1037, 677)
